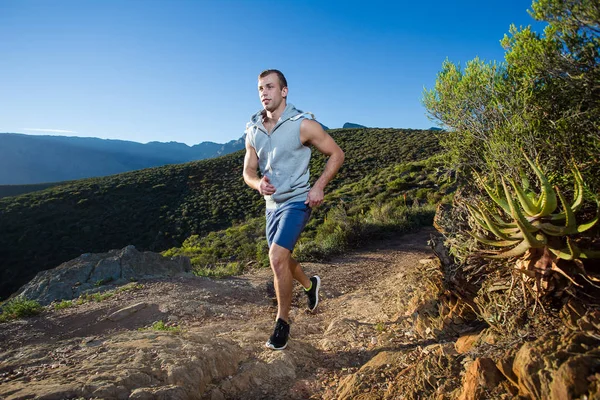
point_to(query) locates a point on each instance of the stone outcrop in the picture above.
(559, 367)
(134, 365)
(90, 273)
(481, 376)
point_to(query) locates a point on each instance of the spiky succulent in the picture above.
(534, 221)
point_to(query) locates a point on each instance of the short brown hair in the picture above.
(282, 80)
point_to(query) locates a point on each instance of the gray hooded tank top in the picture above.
(281, 156)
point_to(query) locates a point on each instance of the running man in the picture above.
(278, 140)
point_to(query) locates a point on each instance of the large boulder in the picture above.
(561, 366)
(92, 272)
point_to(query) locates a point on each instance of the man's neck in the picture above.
(273, 116)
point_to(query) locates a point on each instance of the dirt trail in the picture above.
(367, 305)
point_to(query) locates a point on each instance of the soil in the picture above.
(368, 307)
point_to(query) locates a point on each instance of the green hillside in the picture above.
(159, 208)
(16, 190)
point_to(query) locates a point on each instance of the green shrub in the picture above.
(220, 270)
(97, 297)
(129, 287)
(63, 304)
(161, 326)
(340, 232)
(19, 307)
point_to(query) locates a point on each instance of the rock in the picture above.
(87, 272)
(504, 365)
(135, 364)
(216, 394)
(339, 333)
(529, 369)
(106, 270)
(481, 376)
(351, 386)
(465, 343)
(571, 380)
(489, 337)
(141, 394)
(559, 366)
(126, 312)
(571, 312)
(440, 349)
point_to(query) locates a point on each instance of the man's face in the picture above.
(270, 92)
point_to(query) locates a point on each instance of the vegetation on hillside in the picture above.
(16, 190)
(395, 199)
(159, 208)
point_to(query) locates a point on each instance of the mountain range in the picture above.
(29, 159)
(44, 159)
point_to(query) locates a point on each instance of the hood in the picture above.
(289, 112)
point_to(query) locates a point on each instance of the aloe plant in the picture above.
(532, 225)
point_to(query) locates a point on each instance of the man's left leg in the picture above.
(284, 227)
(298, 273)
(311, 286)
(280, 259)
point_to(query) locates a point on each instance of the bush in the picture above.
(544, 99)
(19, 307)
(219, 270)
(63, 304)
(340, 232)
(161, 326)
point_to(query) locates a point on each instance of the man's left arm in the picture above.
(312, 133)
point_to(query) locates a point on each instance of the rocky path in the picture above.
(108, 349)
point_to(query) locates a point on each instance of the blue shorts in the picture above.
(285, 224)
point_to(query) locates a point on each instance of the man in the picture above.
(278, 140)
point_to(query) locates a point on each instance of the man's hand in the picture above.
(315, 197)
(265, 187)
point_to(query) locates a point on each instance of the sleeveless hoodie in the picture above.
(281, 156)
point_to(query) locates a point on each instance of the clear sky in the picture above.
(186, 71)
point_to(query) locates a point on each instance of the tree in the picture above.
(544, 98)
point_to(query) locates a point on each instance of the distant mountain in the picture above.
(351, 125)
(29, 159)
(435, 128)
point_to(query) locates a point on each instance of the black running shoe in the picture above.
(313, 293)
(279, 338)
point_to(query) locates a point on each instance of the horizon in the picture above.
(186, 71)
(95, 137)
(58, 134)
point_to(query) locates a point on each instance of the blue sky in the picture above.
(186, 71)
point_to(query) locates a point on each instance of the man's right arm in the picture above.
(251, 178)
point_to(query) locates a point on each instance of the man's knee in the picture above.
(279, 257)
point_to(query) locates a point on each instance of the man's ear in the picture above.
(284, 92)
